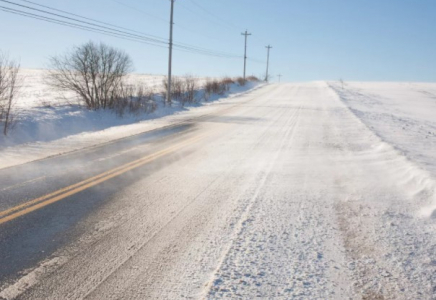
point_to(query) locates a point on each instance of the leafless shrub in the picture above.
(214, 87)
(190, 90)
(177, 89)
(253, 78)
(208, 88)
(184, 89)
(94, 72)
(227, 82)
(134, 100)
(217, 87)
(144, 101)
(9, 85)
(241, 81)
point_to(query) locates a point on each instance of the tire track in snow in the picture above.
(291, 124)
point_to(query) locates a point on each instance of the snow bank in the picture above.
(50, 123)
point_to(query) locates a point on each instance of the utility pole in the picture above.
(170, 62)
(280, 77)
(246, 34)
(267, 63)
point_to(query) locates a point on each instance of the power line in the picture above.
(154, 41)
(258, 61)
(158, 40)
(227, 23)
(198, 15)
(222, 21)
(136, 9)
(139, 10)
(85, 18)
(90, 29)
(72, 25)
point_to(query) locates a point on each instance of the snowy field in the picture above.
(401, 114)
(51, 122)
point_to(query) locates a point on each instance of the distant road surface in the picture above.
(285, 195)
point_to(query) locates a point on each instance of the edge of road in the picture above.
(184, 121)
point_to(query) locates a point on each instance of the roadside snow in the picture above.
(402, 114)
(50, 123)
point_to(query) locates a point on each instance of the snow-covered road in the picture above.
(287, 195)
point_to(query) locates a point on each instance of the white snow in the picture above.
(404, 116)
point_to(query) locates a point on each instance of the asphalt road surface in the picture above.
(284, 195)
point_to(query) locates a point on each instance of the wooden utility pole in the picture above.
(267, 63)
(246, 34)
(170, 60)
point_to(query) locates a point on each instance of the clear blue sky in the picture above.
(367, 40)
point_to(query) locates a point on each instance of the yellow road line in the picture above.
(30, 206)
(76, 168)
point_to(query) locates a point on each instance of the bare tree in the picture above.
(94, 72)
(9, 81)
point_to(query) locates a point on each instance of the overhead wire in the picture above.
(182, 27)
(72, 25)
(219, 21)
(187, 8)
(155, 39)
(90, 29)
(140, 10)
(147, 39)
(225, 22)
(82, 17)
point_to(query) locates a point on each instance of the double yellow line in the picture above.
(30, 206)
